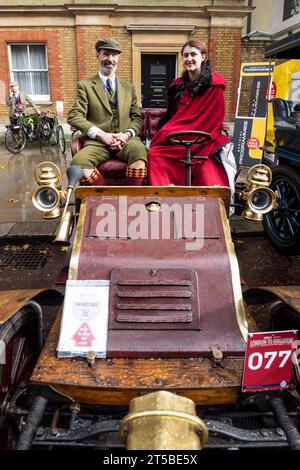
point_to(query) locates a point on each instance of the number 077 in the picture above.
(256, 359)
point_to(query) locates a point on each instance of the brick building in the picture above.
(48, 47)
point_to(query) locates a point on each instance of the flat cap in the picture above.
(13, 83)
(108, 44)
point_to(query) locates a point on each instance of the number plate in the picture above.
(268, 362)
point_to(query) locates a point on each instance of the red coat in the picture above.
(197, 112)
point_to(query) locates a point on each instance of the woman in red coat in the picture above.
(195, 102)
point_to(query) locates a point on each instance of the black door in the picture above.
(158, 71)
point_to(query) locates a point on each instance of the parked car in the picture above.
(168, 373)
(282, 224)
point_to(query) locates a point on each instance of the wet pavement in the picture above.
(28, 259)
(17, 180)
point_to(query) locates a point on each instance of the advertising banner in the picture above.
(250, 123)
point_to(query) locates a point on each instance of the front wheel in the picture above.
(283, 317)
(60, 137)
(15, 140)
(20, 345)
(282, 224)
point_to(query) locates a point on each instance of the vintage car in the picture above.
(159, 262)
(282, 225)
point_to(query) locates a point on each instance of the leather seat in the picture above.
(154, 116)
(114, 170)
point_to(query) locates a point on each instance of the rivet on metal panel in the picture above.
(217, 358)
(153, 272)
(90, 357)
(279, 431)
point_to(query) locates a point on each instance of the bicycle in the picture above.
(34, 128)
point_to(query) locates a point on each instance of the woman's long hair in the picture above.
(198, 45)
(197, 87)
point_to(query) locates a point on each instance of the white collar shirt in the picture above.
(104, 80)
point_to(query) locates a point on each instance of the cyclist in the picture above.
(17, 100)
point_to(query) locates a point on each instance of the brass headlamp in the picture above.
(47, 197)
(260, 199)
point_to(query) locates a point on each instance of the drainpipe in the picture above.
(249, 18)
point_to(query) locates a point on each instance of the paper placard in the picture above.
(84, 319)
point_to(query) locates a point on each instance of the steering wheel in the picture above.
(188, 138)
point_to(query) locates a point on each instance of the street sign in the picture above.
(268, 361)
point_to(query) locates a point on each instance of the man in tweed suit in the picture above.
(17, 100)
(107, 114)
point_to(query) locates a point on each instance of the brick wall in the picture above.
(224, 53)
(251, 51)
(86, 38)
(68, 67)
(71, 56)
(61, 63)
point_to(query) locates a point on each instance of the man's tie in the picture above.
(19, 105)
(109, 87)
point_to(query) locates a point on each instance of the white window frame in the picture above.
(36, 98)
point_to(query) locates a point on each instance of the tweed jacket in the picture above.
(11, 102)
(92, 108)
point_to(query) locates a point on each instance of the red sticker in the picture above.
(83, 336)
(273, 91)
(269, 360)
(253, 143)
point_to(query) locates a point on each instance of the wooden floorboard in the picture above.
(117, 381)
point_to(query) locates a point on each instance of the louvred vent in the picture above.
(154, 299)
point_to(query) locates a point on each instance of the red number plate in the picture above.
(268, 362)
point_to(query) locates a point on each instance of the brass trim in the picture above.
(192, 420)
(47, 173)
(73, 268)
(235, 274)
(53, 211)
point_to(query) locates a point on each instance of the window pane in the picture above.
(37, 57)
(19, 57)
(40, 83)
(29, 68)
(23, 78)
